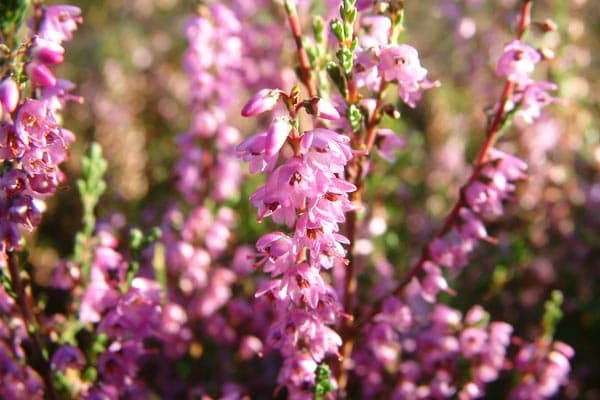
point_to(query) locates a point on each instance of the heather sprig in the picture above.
(330, 300)
(91, 187)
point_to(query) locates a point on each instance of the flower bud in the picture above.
(40, 74)
(9, 94)
(324, 109)
(48, 52)
(549, 26)
(277, 135)
(262, 101)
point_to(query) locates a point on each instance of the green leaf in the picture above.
(552, 314)
(354, 117)
(12, 13)
(346, 59)
(335, 74)
(322, 382)
(338, 29)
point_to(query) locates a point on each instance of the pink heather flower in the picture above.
(433, 282)
(387, 144)
(470, 227)
(473, 341)
(59, 22)
(118, 364)
(324, 109)
(250, 346)
(264, 100)
(451, 250)
(298, 372)
(277, 135)
(67, 356)
(444, 316)
(517, 62)
(9, 95)
(534, 98)
(366, 72)
(65, 274)
(401, 63)
(510, 167)
(377, 30)
(40, 74)
(57, 95)
(281, 204)
(23, 211)
(47, 51)
(108, 265)
(252, 150)
(97, 298)
(475, 315)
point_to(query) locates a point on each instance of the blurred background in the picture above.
(127, 62)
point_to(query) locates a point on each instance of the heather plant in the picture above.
(309, 233)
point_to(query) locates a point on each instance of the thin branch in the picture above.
(491, 136)
(294, 21)
(38, 360)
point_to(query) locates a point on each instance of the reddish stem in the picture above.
(37, 361)
(491, 136)
(296, 29)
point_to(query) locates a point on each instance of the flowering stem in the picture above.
(294, 21)
(38, 361)
(491, 136)
(355, 176)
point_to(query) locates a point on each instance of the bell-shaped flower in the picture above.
(59, 22)
(40, 74)
(9, 95)
(47, 51)
(277, 135)
(264, 100)
(517, 62)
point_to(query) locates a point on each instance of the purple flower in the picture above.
(387, 144)
(264, 100)
(9, 95)
(59, 22)
(40, 74)
(277, 135)
(377, 30)
(252, 150)
(401, 63)
(67, 356)
(517, 62)
(47, 52)
(534, 98)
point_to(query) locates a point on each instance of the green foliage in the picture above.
(91, 186)
(11, 15)
(552, 314)
(137, 243)
(354, 117)
(335, 74)
(322, 382)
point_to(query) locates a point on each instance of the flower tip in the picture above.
(9, 94)
(263, 100)
(326, 110)
(277, 135)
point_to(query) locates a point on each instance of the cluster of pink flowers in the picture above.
(304, 191)
(154, 322)
(379, 62)
(32, 142)
(544, 367)
(19, 381)
(435, 348)
(127, 311)
(516, 65)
